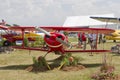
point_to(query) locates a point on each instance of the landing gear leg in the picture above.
(46, 54)
(42, 60)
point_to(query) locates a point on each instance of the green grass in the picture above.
(12, 66)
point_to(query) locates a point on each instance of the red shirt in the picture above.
(83, 37)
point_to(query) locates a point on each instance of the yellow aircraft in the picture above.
(114, 36)
(30, 35)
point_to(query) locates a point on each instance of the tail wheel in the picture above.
(6, 43)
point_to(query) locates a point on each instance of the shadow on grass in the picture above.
(116, 54)
(14, 67)
(92, 65)
(28, 68)
(53, 65)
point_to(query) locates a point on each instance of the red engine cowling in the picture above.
(53, 44)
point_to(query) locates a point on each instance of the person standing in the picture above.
(80, 39)
(84, 41)
(100, 38)
(93, 45)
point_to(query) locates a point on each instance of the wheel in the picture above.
(6, 43)
(57, 52)
(114, 40)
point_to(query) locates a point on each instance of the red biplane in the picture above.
(55, 40)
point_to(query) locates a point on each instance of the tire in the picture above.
(7, 43)
(57, 52)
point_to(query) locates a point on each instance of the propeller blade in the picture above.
(42, 30)
(64, 42)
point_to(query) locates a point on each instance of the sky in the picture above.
(53, 12)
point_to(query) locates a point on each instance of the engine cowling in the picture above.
(51, 40)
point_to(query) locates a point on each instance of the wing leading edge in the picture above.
(68, 29)
(81, 29)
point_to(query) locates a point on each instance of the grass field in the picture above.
(13, 65)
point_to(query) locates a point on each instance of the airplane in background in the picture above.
(15, 35)
(112, 36)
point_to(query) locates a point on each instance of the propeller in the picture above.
(57, 38)
(63, 42)
(42, 30)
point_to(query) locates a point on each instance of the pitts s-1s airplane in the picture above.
(55, 40)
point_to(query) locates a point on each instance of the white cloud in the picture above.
(52, 12)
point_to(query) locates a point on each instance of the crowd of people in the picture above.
(91, 38)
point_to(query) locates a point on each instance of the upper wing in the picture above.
(19, 28)
(80, 29)
(68, 29)
(107, 19)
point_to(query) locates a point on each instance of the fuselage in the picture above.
(113, 36)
